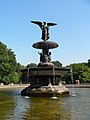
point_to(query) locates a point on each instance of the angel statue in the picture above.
(45, 29)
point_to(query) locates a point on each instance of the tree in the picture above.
(88, 62)
(3, 61)
(57, 63)
(8, 65)
(32, 65)
(81, 72)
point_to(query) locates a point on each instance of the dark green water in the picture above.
(13, 106)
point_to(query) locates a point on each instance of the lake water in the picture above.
(13, 106)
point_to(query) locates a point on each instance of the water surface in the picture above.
(13, 106)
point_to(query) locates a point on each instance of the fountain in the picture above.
(45, 79)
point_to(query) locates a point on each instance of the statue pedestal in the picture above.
(46, 91)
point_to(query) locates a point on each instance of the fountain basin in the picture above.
(45, 45)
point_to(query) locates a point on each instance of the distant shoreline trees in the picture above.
(81, 71)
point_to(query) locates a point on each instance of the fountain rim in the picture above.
(45, 45)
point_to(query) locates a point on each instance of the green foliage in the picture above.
(88, 63)
(57, 63)
(8, 65)
(19, 66)
(32, 65)
(81, 71)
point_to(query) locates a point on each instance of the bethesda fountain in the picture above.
(45, 79)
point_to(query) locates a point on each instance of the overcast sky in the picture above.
(72, 31)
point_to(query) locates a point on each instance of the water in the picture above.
(13, 106)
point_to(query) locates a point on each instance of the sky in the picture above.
(72, 31)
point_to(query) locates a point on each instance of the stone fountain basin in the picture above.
(45, 45)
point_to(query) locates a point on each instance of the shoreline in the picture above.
(77, 85)
(26, 85)
(14, 86)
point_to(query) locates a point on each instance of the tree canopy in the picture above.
(32, 65)
(57, 63)
(81, 71)
(8, 65)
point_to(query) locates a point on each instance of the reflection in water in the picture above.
(47, 109)
(13, 106)
(6, 106)
(21, 106)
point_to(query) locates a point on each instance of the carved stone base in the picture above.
(46, 91)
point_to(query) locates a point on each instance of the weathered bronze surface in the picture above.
(45, 29)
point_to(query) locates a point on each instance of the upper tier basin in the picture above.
(45, 45)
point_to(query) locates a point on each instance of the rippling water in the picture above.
(13, 106)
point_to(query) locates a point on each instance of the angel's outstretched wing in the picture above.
(51, 24)
(37, 23)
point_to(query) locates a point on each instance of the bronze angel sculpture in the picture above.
(45, 29)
